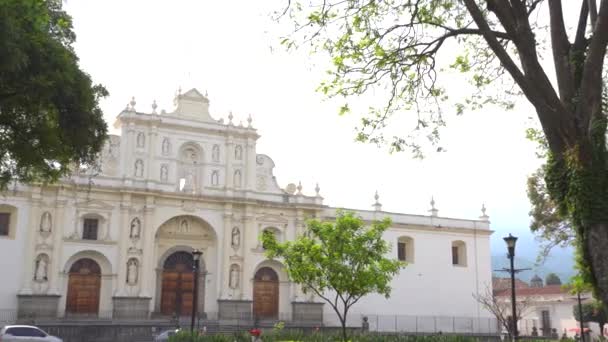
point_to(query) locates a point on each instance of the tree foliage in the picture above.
(49, 108)
(548, 223)
(592, 312)
(339, 261)
(503, 47)
(552, 279)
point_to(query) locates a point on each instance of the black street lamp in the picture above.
(580, 314)
(196, 255)
(511, 241)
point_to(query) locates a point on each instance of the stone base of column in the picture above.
(131, 307)
(37, 306)
(235, 309)
(307, 313)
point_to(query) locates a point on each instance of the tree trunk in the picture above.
(597, 251)
(602, 329)
(344, 335)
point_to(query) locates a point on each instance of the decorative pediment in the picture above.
(272, 219)
(95, 205)
(192, 105)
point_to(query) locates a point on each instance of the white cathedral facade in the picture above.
(116, 240)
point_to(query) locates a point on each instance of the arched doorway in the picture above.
(266, 293)
(84, 284)
(177, 284)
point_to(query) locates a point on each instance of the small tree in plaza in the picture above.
(592, 312)
(340, 261)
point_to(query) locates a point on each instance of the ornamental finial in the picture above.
(433, 210)
(317, 189)
(377, 205)
(154, 106)
(484, 216)
(132, 103)
(299, 188)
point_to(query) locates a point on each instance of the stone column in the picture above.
(250, 166)
(224, 272)
(149, 164)
(126, 152)
(248, 238)
(58, 227)
(123, 244)
(229, 161)
(30, 247)
(148, 263)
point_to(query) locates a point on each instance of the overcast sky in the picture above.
(148, 49)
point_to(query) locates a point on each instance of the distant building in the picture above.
(549, 310)
(114, 240)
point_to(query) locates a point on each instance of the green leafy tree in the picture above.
(49, 108)
(340, 261)
(592, 312)
(548, 223)
(400, 46)
(552, 279)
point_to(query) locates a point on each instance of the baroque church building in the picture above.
(116, 240)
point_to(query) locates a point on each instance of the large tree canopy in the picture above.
(49, 112)
(512, 47)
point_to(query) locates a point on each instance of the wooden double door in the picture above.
(177, 285)
(84, 285)
(266, 293)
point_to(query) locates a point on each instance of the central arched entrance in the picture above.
(177, 284)
(84, 284)
(266, 293)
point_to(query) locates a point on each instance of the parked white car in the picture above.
(164, 336)
(25, 333)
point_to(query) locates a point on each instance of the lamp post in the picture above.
(511, 241)
(580, 314)
(196, 255)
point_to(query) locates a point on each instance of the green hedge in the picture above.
(286, 335)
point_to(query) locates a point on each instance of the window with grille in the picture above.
(5, 220)
(455, 255)
(90, 228)
(401, 251)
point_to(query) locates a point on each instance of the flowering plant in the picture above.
(255, 332)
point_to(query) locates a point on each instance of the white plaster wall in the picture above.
(431, 285)
(12, 251)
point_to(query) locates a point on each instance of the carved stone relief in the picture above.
(135, 231)
(132, 271)
(236, 238)
(46, 222)
(164, 172)
(141, 139)
(233, 281)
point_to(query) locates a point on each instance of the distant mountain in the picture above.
(560, 262)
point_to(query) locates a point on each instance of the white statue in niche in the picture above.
(40, 274)
(164, 172)
(236, 237)
(166, 146)
(237, 179)
(238, 152)
(141, 139)
(135, 228)
(132, 272)
(233, 282)
(46, 223)
(139, 168)
(215, 154)
(215, 178)
(183, 226)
